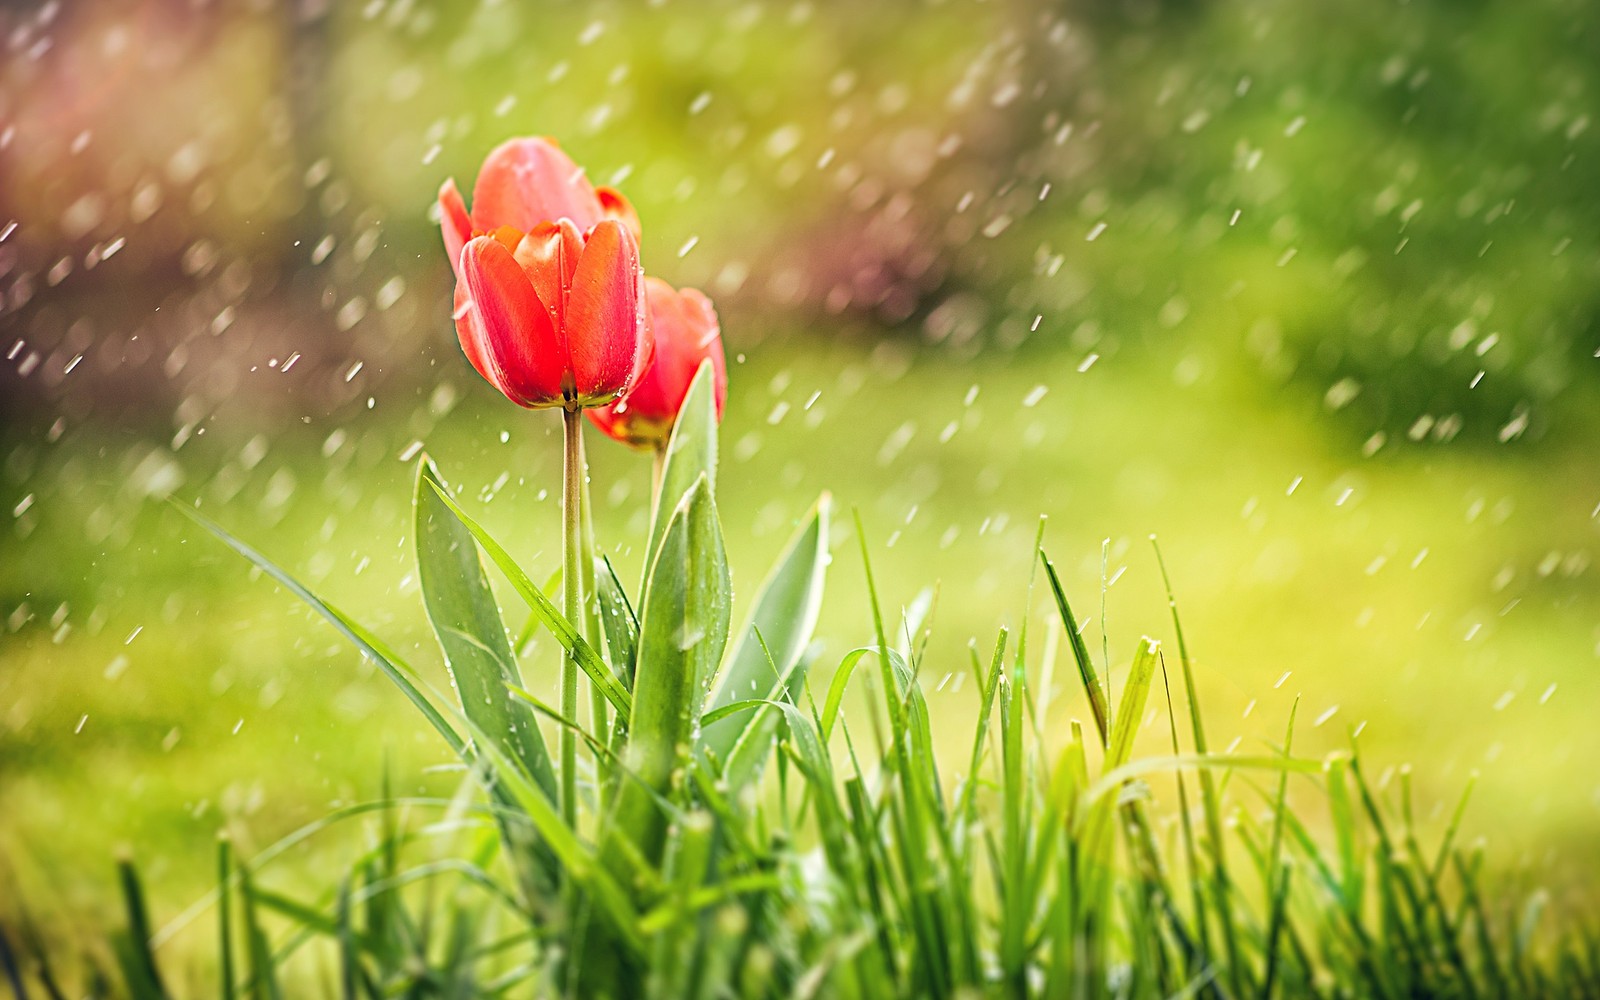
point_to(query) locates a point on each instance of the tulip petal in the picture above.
(509, 327)
(704, 337)
(605, 324)
(549, 256)
(686, 333)
(524, 182)
(454, 222)
(467, 333)
(614, 206)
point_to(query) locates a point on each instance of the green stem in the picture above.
(591, 614)
(572, 585)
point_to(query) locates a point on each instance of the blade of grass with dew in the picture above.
(533, 623)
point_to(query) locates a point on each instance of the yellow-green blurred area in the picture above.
(1311, 292)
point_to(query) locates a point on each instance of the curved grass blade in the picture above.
(1098, 705)
(392, 666)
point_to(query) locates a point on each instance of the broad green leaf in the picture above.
(541, 606)
(682, 635)
(781, 624)
(691, 454)
(467, 621)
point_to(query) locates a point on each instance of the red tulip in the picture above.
(522, 183)
(686, 334)
(550, 300)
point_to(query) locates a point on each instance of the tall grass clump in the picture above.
(733, 831)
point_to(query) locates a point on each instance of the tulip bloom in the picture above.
(550, 304)
(522, 183)
(686, 335)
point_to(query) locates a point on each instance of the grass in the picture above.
(227, 707)
(1054, 862)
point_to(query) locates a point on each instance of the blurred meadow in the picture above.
(1310, 293)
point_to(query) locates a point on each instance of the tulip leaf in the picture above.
(766, 662)
(472, 635)
(691, 454)
(544, 609)
(682, 635)
(617, 620)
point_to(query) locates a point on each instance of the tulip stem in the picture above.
(572, 585)
(591, 608)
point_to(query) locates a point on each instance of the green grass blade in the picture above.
(886, 668)
(965, 809)
(1099, 706)
(1276, 873)
(140, 973)
(392, 666)
(1210, 799)
(263, 967)
(225, 917)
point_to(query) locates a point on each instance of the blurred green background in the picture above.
(1310, 291)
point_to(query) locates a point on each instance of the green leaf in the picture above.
(1097, 822)
(691, 454)
(1087, 674)
(781, 624)
(617, 620)
(472, 635)
(546, 611)
(682, 636)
